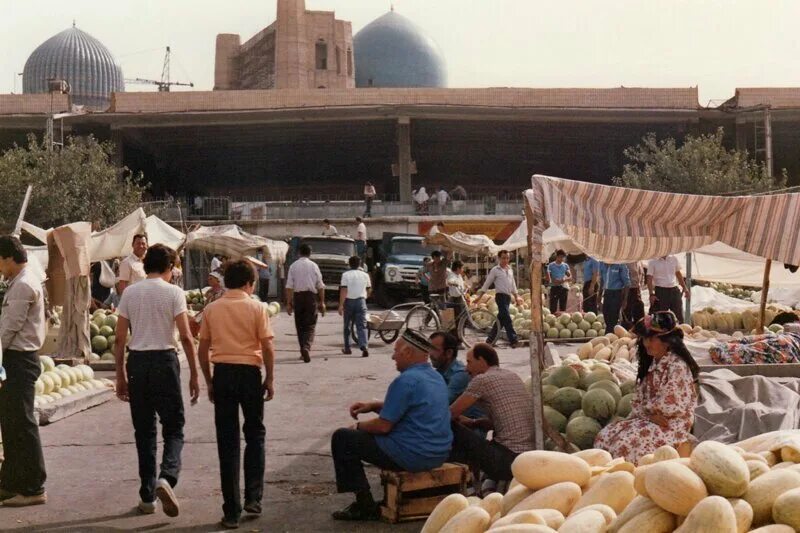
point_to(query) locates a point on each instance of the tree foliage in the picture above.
(76, 182)
(701, 165)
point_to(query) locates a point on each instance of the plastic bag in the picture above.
(107, 277)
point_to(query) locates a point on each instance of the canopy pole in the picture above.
(764, 292)
(22, 211)
(687, 315)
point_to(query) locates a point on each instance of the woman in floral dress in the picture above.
(665, 398)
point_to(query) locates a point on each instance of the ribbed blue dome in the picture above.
(80, 59)
(392, 51)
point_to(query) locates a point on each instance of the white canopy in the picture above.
(231, 241)
(464, 243)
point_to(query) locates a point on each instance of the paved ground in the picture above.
(91, 458)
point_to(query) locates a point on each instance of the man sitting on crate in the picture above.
(411, 432)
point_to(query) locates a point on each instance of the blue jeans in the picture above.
(355, 311)
(361, 249)
(503, 318)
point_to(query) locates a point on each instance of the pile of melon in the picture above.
(610, 347)
(582, 397)
(718, 489)
(734, 291)
(572, 326)
(102, 327)
(57, 382)
(195, 299)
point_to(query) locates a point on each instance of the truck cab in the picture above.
(401, 257)
(331, 254)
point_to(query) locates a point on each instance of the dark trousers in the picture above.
(589, 298)
(361, 250)
(355, 312)
(503, 319)
(238, 386)
(22, 471)
(558, 298)
(634, 310)
(488, 456)
(349, 447)
(368, 206)
(612, 305)
(154, 388)
(305, 317)
(263, 289)
(426, 297)
(669, 299)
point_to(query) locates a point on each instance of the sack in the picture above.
(107, 277)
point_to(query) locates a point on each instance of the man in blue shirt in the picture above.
(444, 358)
(591, 284)
(558, 275)
(411, 432)
(616, 283)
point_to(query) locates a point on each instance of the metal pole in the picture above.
(18, 227)
(768, 141)
(687, 315)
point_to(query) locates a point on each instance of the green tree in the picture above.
(701, 165)
(76, 182)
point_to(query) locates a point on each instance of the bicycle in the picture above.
(471, 325)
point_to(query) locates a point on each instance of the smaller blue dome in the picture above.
(392, 51)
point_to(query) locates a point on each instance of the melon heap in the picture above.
(751, 486)
(572, 326)
(194, 299)
(102, 326)
(57, 382)
(730, 322)
(734, 291)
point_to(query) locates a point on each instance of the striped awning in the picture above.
(617, 224)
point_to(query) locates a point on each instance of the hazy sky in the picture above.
(717, 45)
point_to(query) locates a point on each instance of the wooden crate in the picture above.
(413, 496)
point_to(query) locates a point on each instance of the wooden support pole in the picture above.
(764, 293)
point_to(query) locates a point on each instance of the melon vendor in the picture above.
(665, 398)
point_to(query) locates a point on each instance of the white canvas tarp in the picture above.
(725, 264)
(464, 243)
(229, 240)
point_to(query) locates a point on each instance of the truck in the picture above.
(331, 254)
(400, 258)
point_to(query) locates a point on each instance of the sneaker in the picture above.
(229, 523)
(305, 356)
(347, 351)
(6, 495)
(146, 507)
(364, 352)
(356, 512)
(252, 507)
(20, 500)
(169, 502)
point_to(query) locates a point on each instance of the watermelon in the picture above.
(111, 321)
(584, 325)
(556, 420)
(578, 334)
(598, 326)
(592, 333)
(624, 406)
(610, 387)
(576, 318)
(595, 376)
(107, 356)
(628, 387)
(576, 414)
(582, 430)
(93, 330)
(598, 404)
(99, 321)
(548, 391)
(590, 317)
(567, 400)
(552, 333)
(99, 343)
(565, 334)
(106, 331)
(564, 376)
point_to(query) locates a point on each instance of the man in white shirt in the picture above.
(131, 269)
(354, 290)
(441, 200)
(436, 229)
(663, 278)
(216, 263)
(456, 287)
(329, 230)
(22, 334)
(151, 380)
(502, 277)
(361, 239)
(304, 288)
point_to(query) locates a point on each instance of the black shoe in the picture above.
(252, 507)
(364, 353)
(304, 355)
(515, 344)
(347, 351)
(358, 512)
(229, 523)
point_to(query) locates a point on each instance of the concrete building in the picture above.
(302, 49)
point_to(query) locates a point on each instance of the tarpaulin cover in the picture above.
(229, 240)
(464, 243)
(617, 224)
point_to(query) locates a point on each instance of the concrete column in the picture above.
(404, 157)
(225, 75)
(291, 46)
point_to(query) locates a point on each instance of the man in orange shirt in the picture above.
(237, 334)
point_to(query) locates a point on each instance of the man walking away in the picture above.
(369, 196)
(151, 380)
(437, 275)
(617, 282)
(591, 284)
(663, 277)
(131, 269)
(361, 239)
(502, 278)
(263, 281)
(558, 275)
(353, 293)
(441, 199)
(22, 333)
(304, 288)
(237, 334)
(329, 230)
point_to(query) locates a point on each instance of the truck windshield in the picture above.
(404, 247)
(331, 247)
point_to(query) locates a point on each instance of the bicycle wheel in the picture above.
(474, 326)
(388, 335)
(423, 320)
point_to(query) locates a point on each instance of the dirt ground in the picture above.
(91, 458)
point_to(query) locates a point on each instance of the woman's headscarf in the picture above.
(421, 197)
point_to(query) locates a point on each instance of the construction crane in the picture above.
(165, 83)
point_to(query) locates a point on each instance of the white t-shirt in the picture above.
(330, 231)
(455, 285)
(357, 282)
(131, 269)
(663, 271)
(442, 197)
(151, 307)
(361, 232)
(433, 231)
(215, 264)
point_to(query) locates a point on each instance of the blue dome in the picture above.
(392, 51)
(81, 60)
